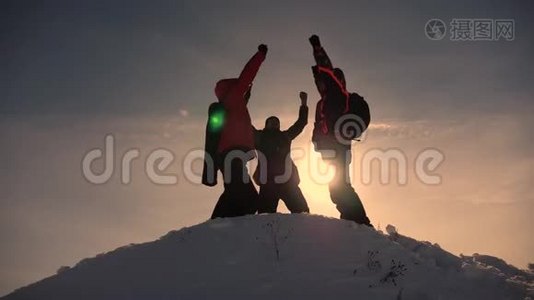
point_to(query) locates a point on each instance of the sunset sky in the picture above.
(144, 71)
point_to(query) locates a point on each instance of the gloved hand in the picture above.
(303, 98)
(314, 41)
(262, 48)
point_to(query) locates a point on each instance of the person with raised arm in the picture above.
(276, 174)
(328, 138)
(230, 142)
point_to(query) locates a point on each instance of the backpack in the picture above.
(359, 115)
(214, 127)
(216, 118)
(342, 123)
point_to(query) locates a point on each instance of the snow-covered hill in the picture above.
(288, 256)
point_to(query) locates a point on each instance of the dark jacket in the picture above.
(274, 148)
(333, 104)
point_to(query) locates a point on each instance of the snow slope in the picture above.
(289, 256)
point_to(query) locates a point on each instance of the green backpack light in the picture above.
(214, 127)
(216, 117)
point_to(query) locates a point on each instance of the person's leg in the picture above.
(222, 207)
(293, 198)
(347, 201)
(249, 199)
(245, 195)
(240, 196)
(349, 204)
(268, 199)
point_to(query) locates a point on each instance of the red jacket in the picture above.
(238, 131)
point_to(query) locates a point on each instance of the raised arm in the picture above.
(323, 70)
(247, 75)
(319, 54)
(295, 129)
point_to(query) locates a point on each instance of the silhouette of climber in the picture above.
(230, 142)
(276, 174)
(334, 104)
